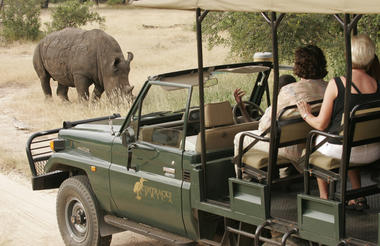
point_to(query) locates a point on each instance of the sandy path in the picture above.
(28, 217)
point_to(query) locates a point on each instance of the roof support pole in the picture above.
(272, 167)
(199, 18)
(348, 27)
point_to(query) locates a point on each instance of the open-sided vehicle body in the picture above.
(166, 170)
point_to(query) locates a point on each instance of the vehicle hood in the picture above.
(92, 139)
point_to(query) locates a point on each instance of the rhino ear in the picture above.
(116, 63)
(130, 56)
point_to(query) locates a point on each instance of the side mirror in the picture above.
(128, 136)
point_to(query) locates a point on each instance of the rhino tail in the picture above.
(38, 63)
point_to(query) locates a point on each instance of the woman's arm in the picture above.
(323, 119)
(238, 94)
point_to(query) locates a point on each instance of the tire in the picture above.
(78, 214)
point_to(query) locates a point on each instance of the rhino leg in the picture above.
(45, 84)
(81, 84)
(97, 93)
(62, 92)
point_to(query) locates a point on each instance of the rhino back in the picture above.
(56, 53)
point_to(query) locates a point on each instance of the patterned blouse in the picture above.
(305, 89)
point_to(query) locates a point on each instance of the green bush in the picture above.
(247, 33)
(73, 14)
(20, 20)
(114, 2)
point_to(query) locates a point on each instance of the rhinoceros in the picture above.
(79, 58)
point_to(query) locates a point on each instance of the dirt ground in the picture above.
(161, 40)
(28, 218)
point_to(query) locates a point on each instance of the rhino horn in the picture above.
(130, 89)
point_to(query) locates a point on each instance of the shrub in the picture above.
(73, 14)
(114, 2)
(247, 33)
(20, 19)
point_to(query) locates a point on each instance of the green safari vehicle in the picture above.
(167, 171)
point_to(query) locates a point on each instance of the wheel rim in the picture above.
(76, 220)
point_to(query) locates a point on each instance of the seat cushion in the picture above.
(259, 159)
(323, 161)
(328, 163)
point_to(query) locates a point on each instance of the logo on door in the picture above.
(144, 191)
(139, 185)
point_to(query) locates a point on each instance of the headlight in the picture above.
(57, 145)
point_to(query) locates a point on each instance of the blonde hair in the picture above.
(363, 51)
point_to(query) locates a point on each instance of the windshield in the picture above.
(224, 88)
(161, 101)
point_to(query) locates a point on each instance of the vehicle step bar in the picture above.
(290, 230)
(149, 231)
(356, 242)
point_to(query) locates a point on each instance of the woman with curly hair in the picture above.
(364, 88)
(310, 66)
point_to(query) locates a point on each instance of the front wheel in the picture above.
(78, 214)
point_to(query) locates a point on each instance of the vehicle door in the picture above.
(146, 170)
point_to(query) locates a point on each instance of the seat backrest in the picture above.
(218, 114)
(293, 129)
(365, 124)
(222, 138)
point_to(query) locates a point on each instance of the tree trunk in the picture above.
(97, 2)
(44, 4)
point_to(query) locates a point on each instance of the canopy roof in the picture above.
(282, 6)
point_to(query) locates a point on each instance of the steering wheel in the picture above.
(254, 111)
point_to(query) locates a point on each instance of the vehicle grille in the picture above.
(38, 150)
(186, 176)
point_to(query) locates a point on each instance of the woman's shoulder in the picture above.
(310, 83)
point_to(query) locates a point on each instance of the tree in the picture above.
(95, 1)
(20, 20)
(247, 33)
(73, 14)
(44, 4)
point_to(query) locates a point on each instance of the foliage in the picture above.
(56, 1)
(114, 2)
(73, 14)
(20, 20)
(247, 33)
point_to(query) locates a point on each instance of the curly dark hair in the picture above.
(310, 63)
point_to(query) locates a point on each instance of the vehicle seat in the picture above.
(292, 130)
(364, 131)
